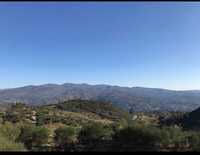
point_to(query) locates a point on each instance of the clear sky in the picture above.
(149, 44)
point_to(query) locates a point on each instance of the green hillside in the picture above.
(86, 125)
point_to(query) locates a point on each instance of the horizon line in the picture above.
(113, 85)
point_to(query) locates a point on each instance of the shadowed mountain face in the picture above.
(135, 98)
(192, 120)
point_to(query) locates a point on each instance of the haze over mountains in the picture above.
(130, 98)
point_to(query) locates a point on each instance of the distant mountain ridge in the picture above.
(131, 98)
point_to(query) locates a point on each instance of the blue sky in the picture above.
(149, 44)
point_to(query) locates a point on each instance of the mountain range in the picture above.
(129, 98)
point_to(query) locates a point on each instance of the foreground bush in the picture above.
(136, 139)
(173, 138)
(33, 137)
(8, 145)
(93, 137)
(10, 131)
(94, 132)
(194, 141)
(8, 135)
(65, 138)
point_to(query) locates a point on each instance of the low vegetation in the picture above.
(80, 126)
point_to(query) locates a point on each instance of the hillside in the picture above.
(131, 98)
(192, 120)
(86, 125)
(73, 112)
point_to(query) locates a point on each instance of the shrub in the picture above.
(10, 131)
(8, 145)
(33, 136)
(65, 138)
(93, 137)
(173, 138)
(94, 132)
(40, 118)
(194, 141)
(8, 135)
(135, 138)
(12, 116)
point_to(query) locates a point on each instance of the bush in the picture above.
(94, 136)
(173, 138)
(10, 131)
(40, 118)
(33, 136)
(194, 141)
(11, 116)
(65, 138)
(8, 145)
(94, 132)
(8, 136)
(135, 138)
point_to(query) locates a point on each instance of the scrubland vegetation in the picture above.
(80, 125)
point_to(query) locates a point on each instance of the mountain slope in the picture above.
(192, 120)
(135, 98)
